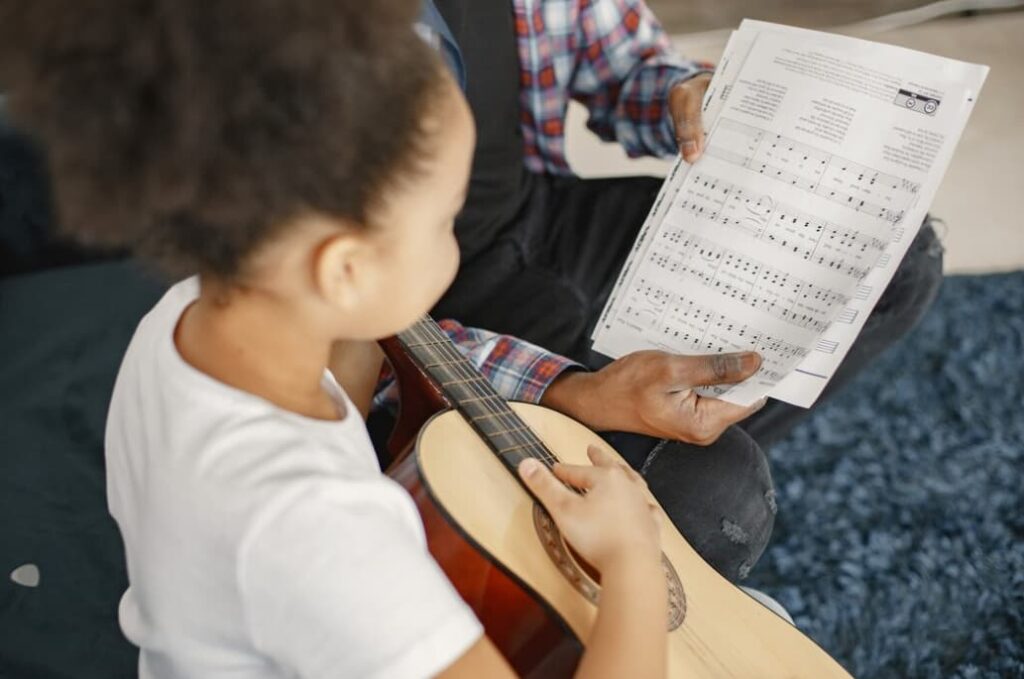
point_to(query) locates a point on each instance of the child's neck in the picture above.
(252, 341)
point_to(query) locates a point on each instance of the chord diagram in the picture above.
(847, 315)
(808, 168)
(826, 346)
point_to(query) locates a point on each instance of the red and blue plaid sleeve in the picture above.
(625, 69)
(518, 370)
(612, 56)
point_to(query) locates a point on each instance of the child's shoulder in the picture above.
(171, 424)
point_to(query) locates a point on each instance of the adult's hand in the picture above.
(652, 392)
(684, 104)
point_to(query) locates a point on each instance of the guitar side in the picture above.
(529, 633)
(482, 529)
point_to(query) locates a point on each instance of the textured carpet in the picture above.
(899, 545)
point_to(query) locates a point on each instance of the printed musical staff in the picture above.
(746, 280)
(862, 292)
(680, 324)
(806, 167)
(705, 196)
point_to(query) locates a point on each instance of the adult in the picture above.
(541, 248)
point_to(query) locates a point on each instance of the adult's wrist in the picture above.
(569, 394)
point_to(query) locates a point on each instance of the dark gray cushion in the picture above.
(62, 336)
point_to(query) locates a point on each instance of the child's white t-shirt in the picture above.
(261, 543)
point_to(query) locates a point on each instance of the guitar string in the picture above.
(516, 430)
(522, 431)
(471, 379)
(519, 429)
(704, 648)
(700, 648)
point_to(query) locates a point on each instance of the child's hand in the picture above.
(613, 522)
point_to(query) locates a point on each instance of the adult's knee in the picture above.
(914, 285)
(720, 497)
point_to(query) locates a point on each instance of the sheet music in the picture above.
(823, 154)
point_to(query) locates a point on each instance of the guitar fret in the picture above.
(426, 344)
(467, 380)
(482, 398)
(513, 430)
(478, 410)
(454, 363)
(472, 394)
(528, 444)
(477, 418)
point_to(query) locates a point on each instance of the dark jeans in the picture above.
(546, 279)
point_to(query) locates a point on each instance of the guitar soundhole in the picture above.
(559, 553)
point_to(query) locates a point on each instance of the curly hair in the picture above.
(191, 129)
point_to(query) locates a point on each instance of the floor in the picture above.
(981, 200)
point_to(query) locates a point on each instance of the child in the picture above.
(307, 158)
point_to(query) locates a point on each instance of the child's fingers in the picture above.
(600, 457)
(581, 476)
(555, 497)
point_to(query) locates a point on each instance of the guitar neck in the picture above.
(472, 395)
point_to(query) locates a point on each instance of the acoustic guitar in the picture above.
(456, 448)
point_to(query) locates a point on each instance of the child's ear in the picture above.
(342, 270)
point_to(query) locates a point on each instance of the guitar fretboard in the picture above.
(472, 395)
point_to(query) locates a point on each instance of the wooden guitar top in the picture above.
(720, 631)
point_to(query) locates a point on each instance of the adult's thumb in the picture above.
(721, 368)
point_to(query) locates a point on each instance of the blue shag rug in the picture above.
(899, 543)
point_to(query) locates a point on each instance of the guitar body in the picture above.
(537, 603)
(505, 556)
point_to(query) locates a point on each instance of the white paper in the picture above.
(822, 157)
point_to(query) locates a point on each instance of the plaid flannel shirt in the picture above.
(613, 57)
(610, 55)
(518, 370)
